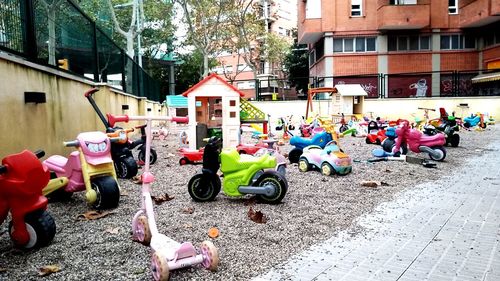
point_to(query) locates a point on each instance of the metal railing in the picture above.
(62, 36)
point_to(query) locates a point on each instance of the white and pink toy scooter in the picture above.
(168, 254)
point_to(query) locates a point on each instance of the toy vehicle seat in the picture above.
(56, 163)
(320, 139)
(232, 161)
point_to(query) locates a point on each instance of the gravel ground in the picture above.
(315, 208)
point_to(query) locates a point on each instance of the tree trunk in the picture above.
(205, 64)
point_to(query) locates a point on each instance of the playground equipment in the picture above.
(88, 168)
(345, 98)
(243, 174)
(418, 142)
(22, 178)
(168, 254)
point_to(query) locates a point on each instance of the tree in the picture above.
(190, 70)
(51, 6)
(276, 50)
(206, 21)
(297, 66)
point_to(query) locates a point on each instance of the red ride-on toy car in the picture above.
(245, 148)
(376, 134)
(22, 178)
(190, 156)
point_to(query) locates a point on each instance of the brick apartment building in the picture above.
(403, 48)
(280, 17)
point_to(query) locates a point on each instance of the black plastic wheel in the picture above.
(343, 128)
(483, 126)
(126, 167)
(41, 227)
(183, 161)
(142, 155)
(367, 140)
(387, 145)
(454, 140)
(278, 181)
(304, 164)
(294, 155)
(108, 193)
(203, 187)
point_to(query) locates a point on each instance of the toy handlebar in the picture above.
(424, 108)
(71, 143)
(112, 119)
(3, 169)
(90, 92)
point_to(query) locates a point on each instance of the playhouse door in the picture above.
(230, 121)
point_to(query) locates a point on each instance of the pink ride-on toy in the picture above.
(168, 254)
(89, 168)
(22, 177)
(418, 142)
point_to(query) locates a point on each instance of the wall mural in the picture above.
(409, 86)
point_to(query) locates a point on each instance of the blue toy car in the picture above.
(320, 139)
(331, 160)
(474, 120)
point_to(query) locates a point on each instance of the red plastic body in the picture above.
(377, 138)
(193, 156)
(21, 191)
(250, 148)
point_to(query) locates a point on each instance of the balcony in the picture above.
(479, 13)
(309, 31)
(397, 17)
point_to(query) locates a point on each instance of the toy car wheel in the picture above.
(203, 188)
(483, 126)
(367, 140)
(108, 193)
(159, 267)
(294, 155)
(440, 151)
(282, 170)
(142, 232)
(377, 142)
(126, 167)
(454, 140)
(278, 181)
(41, 229)
(183, 161)
(142, 156)
(303, 164)
(327, 169)
(241, 151)
(210, 256)
(343, 128)
(467, 125)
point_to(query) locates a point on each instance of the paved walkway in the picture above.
(446, 230)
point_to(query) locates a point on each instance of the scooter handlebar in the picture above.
(90, 92)
(112, 119)
(71, 143)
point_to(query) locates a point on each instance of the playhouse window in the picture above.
(232, 103)
(232, 114)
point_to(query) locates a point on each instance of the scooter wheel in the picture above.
(441, 151)
(278, 181)
(108, 193)
(203, 188)
(142, 232)
(159, 267)
(41, 229)
(210, 256)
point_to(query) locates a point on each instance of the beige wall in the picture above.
(65, 113)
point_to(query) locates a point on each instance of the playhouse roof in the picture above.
(209, 78)
(350, 90)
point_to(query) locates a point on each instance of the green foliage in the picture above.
(297, 65)
(277, 49)
(190, 70)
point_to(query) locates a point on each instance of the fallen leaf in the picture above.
(213, 232)
(160, 199)
(93, 215)
(3, 270)
(256, 216)
(387, 171)
(188, 210)
(137, 179)
(48, 269)
(369, 183)
(188, 225)
(112, 230)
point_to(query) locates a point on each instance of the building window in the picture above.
(313, 9)
(408, 43)
(457, 42)
(356, 8)
(452, 6)
(312, 58)
(358, 45)
(319, 48)
(492, 38)
(403, 2)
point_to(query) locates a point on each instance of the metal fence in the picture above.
(60, 35)
(400, 85)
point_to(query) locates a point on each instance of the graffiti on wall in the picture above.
(409, 86)
(369, 84)
(464, 88)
